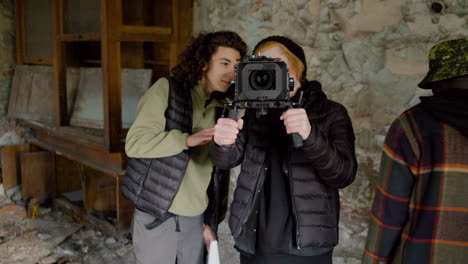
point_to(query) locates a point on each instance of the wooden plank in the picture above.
(102, 196)
(161, 13)
(111, 18)
(173, 46)
(81, 37)
(38, 175)
(185, 24)
(156, 30)
(132, 56)
(81, 136)
(173, 55)
(88, 110)
(100, 159)
(143, 37)
(124, 207)
(77, 134)
(77, 148)
(60, 71)
(31, 90)
(132, 52)
(110, 163)
(19, 19)
(37, 60)
(68, 175)
(22, 28)
(99, 191)
(11, 170)
(182, 26)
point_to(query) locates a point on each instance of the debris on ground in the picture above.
(54, 238)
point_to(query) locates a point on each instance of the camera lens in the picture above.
(261, 80)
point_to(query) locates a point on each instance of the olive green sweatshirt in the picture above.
(147, 139)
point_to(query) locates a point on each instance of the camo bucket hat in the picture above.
(447, 60)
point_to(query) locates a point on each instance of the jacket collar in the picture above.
(312, 93)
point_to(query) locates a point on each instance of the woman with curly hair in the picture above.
(179, 196)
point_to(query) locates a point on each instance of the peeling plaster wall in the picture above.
(369, 56)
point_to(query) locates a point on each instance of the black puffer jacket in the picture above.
(325, 163)
(152, 183)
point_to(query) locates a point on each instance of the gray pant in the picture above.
(163, 245)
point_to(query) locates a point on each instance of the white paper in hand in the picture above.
(213, 253)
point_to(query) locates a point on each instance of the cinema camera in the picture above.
(263, 83)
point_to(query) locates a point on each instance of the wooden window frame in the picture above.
(113, 32)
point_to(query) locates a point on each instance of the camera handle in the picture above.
(233, 114)
(232, 111)
(296, 138)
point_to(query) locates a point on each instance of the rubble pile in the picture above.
(54, 237)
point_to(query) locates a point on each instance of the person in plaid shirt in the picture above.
(420, 209)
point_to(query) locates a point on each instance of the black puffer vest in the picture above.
(152, 183)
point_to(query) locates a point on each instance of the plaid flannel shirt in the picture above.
(420, 209)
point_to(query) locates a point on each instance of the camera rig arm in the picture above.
(233, 113)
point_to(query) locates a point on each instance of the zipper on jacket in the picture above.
(298, 238)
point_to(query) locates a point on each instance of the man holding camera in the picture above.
(286, 203)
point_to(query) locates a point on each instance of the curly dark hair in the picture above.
(197, 55)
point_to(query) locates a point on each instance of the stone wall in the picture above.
(10, 133)
(7, 52)
(369, 56)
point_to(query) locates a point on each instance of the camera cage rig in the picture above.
(249, 96)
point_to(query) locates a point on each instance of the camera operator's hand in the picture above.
(226, 131)
(200, 138)
(296, 121)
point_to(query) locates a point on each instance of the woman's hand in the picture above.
(208, 236)
(200, 138)
(296, 121)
